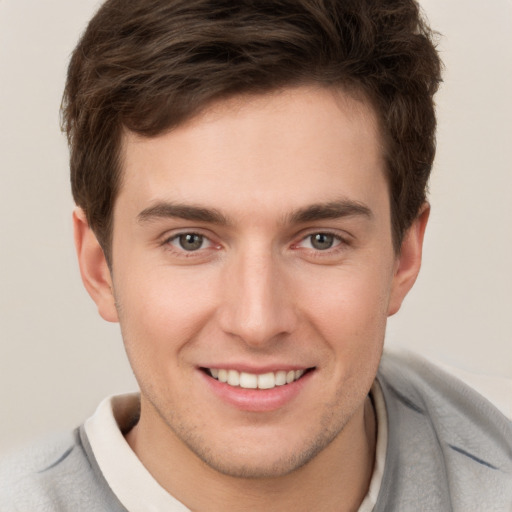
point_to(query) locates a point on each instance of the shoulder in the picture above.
(447, 443)
(22, 474)
(53, 475)
(413, 379)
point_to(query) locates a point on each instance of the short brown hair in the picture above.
(148, 65)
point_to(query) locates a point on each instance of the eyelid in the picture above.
(172, 235)
(343, 237)
(177, 237)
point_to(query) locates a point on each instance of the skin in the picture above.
(257, 293)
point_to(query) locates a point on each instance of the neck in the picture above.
(337, 479)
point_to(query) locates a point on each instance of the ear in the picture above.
(93, 267)
(408, 262)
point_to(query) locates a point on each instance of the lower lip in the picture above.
(257, 400)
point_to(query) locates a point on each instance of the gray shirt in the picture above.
(448, 449)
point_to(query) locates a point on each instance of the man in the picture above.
(250, 186)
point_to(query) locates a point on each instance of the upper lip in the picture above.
(247, 368)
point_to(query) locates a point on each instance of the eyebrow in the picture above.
(181, 211)
(311, 213)
(330, 210)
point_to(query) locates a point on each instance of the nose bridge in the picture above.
(257, 307)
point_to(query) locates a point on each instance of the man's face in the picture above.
(251, 243)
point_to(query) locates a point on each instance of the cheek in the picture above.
(350, 304)
(350, 316)
(162, 310)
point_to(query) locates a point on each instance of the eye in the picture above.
(320, 241)
(190, 242)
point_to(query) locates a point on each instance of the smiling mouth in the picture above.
(247, 380)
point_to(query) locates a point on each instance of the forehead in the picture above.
(287, 147)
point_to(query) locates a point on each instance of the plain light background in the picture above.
(58, 359)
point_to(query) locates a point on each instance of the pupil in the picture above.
(191, 241)
(322, 241)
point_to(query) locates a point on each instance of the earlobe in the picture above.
(93, 267)
(409, 260)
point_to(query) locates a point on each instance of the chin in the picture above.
(259, 459)
(249, 468)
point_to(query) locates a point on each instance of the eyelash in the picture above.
(337, 240)
(331, 254)
(339, 244)
(182, 251)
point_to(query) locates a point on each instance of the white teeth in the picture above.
(252, 381)
(266, 381)
(233, 378)
(248, 380)
(280, 378)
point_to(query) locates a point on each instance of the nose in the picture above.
(258, 300)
